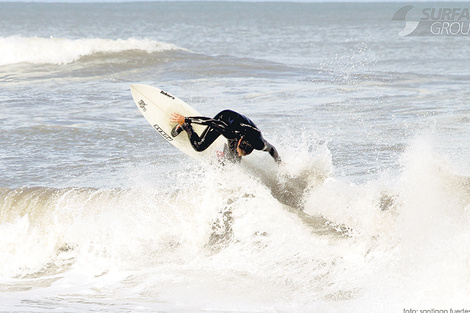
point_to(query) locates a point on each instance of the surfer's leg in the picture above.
(201, 143)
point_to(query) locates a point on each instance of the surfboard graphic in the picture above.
(157, 105)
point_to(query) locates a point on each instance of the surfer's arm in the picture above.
(259, 143)
(272, 151)
(207, 121)
(201, 120)
(218, 125)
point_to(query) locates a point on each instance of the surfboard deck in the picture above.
(157, 106)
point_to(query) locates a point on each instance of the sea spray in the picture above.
(411, 225)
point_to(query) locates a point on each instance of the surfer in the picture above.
(242, 134)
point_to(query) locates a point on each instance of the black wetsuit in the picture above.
(232, 126)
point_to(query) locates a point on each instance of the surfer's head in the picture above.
(244, 147)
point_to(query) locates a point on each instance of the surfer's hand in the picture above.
(177, 118)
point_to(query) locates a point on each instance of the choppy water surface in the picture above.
(370, 211)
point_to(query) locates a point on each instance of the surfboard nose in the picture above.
(136, 87)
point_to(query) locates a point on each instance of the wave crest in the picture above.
(37, 50)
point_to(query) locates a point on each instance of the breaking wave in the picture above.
(297, 243)
(58, 51)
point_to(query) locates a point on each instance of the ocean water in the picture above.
(369, 213)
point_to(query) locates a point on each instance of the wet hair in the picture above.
(245, 146)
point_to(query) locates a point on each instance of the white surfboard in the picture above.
(157, 106)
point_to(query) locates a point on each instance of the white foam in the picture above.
(412, 227)
(39, 50)
(407, 246)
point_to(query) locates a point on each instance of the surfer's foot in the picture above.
(176, 130)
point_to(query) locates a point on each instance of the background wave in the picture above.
(37, 50)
